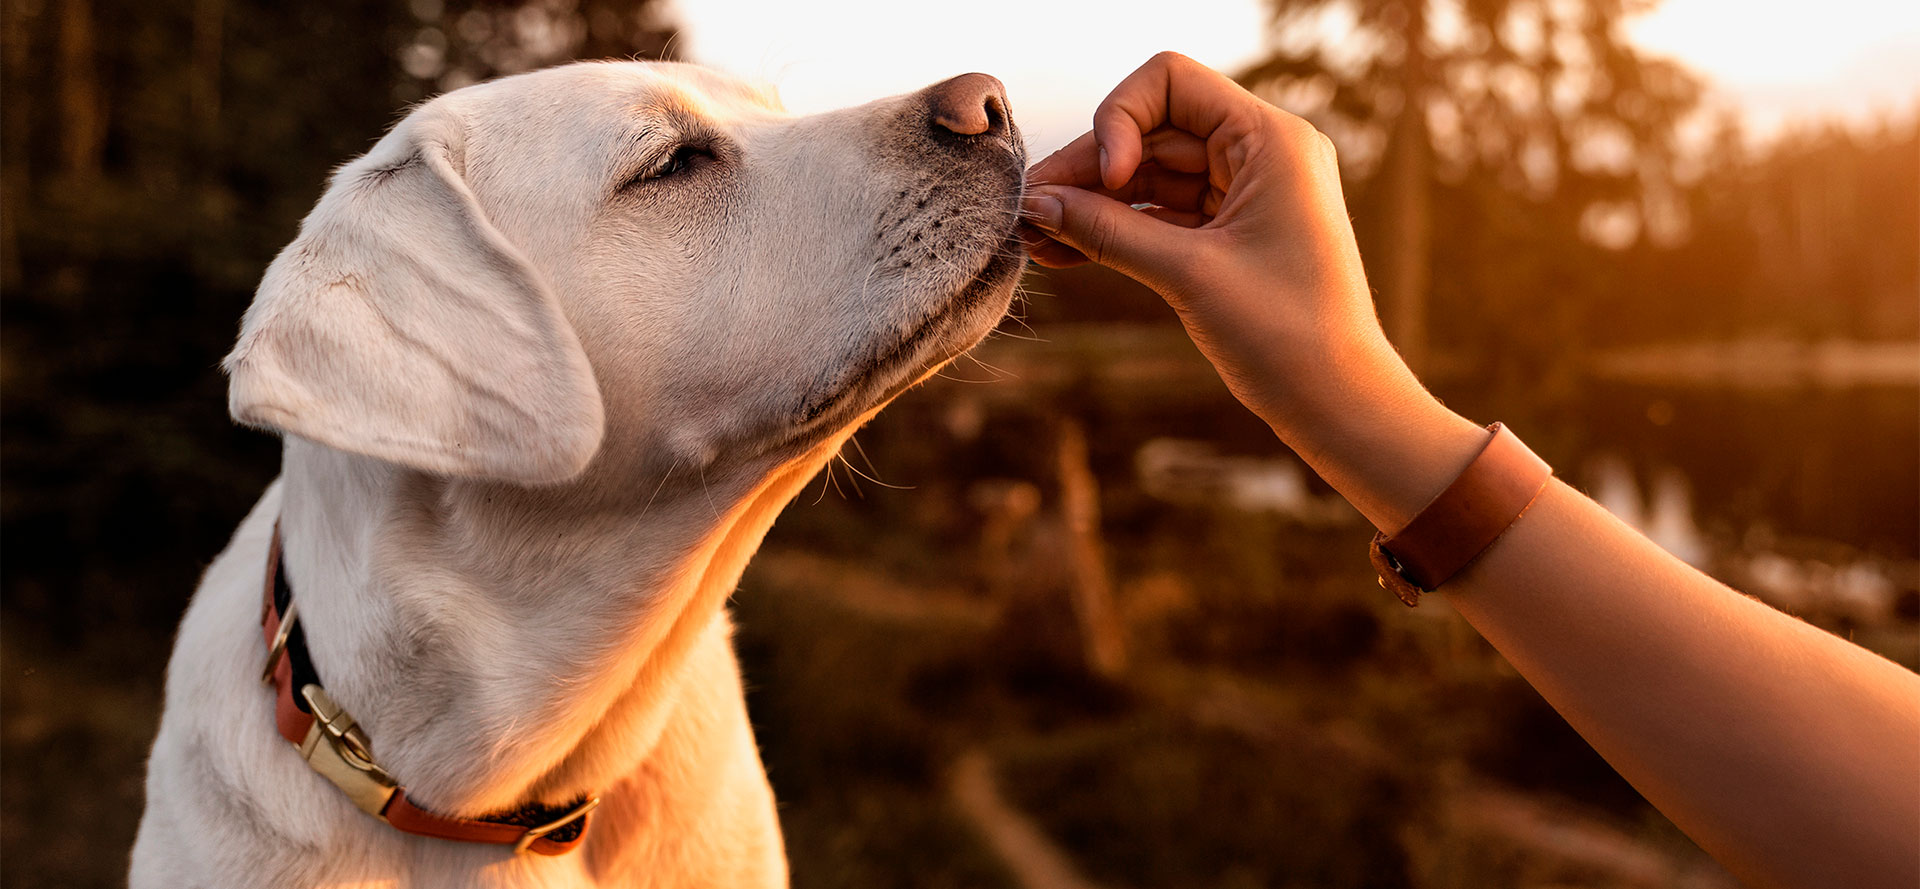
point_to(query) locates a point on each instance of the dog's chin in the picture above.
(955, 325)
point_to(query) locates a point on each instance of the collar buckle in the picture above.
(337, 749)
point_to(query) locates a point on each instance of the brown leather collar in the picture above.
(334, 746)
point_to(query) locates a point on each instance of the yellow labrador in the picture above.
(547, 362)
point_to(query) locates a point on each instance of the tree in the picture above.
(465, 41)
(1541, 99)
(157, 155)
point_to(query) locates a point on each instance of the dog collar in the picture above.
(334, 746)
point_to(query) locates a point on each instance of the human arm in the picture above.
(1790, 754)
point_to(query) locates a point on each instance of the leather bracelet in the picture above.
(1453, 530)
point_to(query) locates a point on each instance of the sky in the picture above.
(1775, 62)
(1768, 59)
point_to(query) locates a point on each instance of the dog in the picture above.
(547, 362)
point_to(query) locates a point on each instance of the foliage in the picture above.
(1816, 236)
(467, 41)
(1558, 192)
(156, 157)
(1546, 99)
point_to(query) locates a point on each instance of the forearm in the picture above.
(1790, 754)
(1793, 756)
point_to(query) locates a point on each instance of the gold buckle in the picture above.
(279, 646)
(346, 759)
(534, 833)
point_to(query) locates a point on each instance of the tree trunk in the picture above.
(17, 28)
(1101, 635)
(83, 124)
(209, 19)
(1409, 203)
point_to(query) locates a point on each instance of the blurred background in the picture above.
(1067, 616)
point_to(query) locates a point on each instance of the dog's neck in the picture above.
(508, 645)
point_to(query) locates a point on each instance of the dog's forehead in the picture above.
(710, 87)
(611, 90)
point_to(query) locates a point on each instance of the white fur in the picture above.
(537, 417)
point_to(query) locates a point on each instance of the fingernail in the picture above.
(1043, 211)
(1103, 163)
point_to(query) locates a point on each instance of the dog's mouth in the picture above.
(894, 366)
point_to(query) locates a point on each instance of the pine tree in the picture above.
(1542, 98)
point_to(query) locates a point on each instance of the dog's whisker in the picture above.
(852, 476)
(1000, 373)
(1002, 332)
(995, 374)
(856, 471)
(835, 479)
(826, 474)
(704, 489)
(874, 469)
(657, 488)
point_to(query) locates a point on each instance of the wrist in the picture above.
(1375, 434)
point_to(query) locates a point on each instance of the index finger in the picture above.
(1169, 89)
(1077, 164)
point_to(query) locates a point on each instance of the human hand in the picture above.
(1248, 238)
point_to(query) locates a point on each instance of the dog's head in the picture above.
(605, 260)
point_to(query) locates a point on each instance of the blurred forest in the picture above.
(1108, 586)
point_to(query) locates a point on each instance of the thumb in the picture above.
(1106, 231)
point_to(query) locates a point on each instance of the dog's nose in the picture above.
(969, 105)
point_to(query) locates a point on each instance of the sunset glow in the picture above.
(1778, 60)
(1057, 59)
(1777, 43)
(1773, 61)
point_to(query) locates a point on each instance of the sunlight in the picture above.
(1057, 59)
(1775, 60)
(1780, 60)
(1774, 42)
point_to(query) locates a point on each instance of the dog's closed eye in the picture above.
(682, 160)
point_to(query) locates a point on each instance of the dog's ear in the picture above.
(400, 324)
